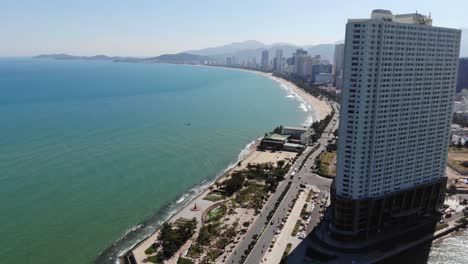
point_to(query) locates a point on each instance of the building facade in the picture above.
(462, 82)
(338, 58)
(320, 67)
(301, 134)
(279, 61)
(323, 78)
(300, 58)
(399, 80)
(265, 60)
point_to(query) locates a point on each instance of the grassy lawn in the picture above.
(154, 259)
(213, 254)
(304, 210)
(252, 196)
(194, 251)
(459, 150)
(288, 249)
(222, 243)
(184, 261)
(213, 197)
(309, 196)
(216, 213)
(181, 221)
(286, 253)
(441, 226)
(326, 165)
(151, 250)
(296, 228)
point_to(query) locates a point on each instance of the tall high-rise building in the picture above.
(338, 58)
(399, 81)
(279, 60)
(462, 82)
(265, 60)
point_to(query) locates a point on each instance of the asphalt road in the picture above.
(259, 223)
(304, 175)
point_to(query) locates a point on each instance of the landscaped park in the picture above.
(237, 201)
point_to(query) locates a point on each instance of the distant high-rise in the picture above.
(338, 58)
(279, 60)
(396, 110)
(299, 62)
(319, 68)
(462, 82)
(265, 60)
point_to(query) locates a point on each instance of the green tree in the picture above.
(234, 184)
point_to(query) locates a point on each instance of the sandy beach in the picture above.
(320, 107)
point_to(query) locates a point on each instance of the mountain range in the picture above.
(250, 49)
(243, 51)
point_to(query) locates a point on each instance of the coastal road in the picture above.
(304, 175)
(259, 223)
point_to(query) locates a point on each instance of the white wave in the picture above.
(131, 230)
(303, 107)
(182, 198)
(308, 121)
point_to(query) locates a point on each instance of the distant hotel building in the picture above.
(279, 60)
(462, 82)
(300, 58)
(338, 58)
(265, 60)
(396, 108)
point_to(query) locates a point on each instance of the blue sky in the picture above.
(153, 27)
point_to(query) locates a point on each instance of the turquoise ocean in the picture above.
(94, 154)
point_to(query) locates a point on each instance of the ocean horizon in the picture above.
(95, 155)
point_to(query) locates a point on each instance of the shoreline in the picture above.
(170, 211)
(317, 109)
(203, 188)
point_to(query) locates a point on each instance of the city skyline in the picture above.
(149, 29)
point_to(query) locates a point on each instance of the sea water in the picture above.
(94, 154)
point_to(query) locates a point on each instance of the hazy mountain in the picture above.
(178, 58)
(168, 58)
(247, 50)
(229, 48)
(464, 43)
(326, 51)
(63, 56)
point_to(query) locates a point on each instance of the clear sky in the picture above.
(152, 27)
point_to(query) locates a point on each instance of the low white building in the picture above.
(301, 134)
